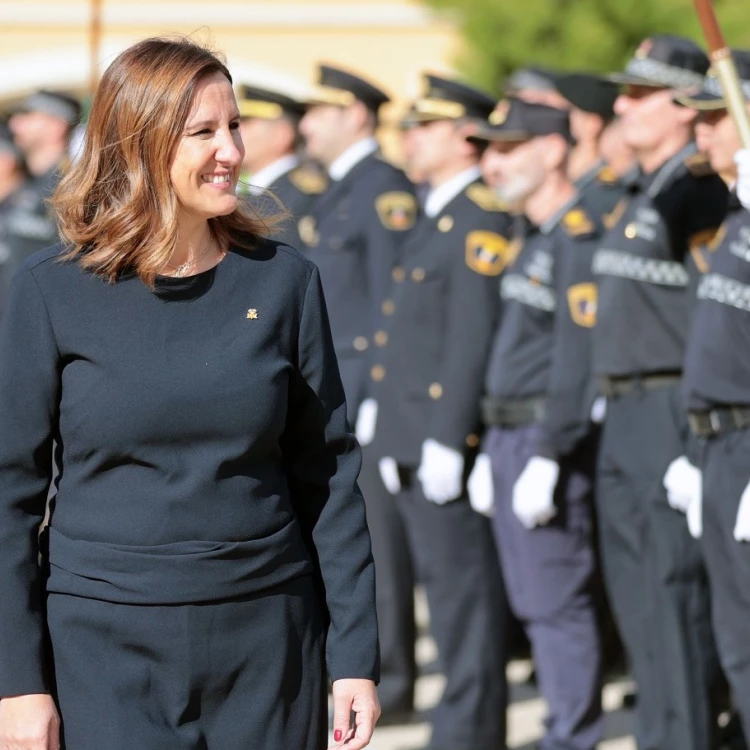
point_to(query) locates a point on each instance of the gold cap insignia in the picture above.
(252, 314)
(500, 113)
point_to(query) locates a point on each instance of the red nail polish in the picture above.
(337, 735)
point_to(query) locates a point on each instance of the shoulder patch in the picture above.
(577, 222)
(397, 210)
(607, 175)
(308, 181)
(699, 166)
(582, 300)
(485, 198)
(486, 252)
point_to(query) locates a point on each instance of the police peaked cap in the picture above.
(711, 95)
(342, 88)
(266, 104)
(515, 120)
(448, 99)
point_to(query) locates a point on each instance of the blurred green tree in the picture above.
(596, 35)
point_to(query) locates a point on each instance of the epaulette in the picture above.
(485, 197)
(607, 176)
(578, 222)
(699, 166)
(308, 180)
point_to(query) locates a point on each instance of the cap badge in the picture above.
(500, 113)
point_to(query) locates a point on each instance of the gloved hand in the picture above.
(599, 410)
(534, 492)
(388, 469)
(440, 472)
(742, 160)
(742, 524)
(695, 516)
(367, 418)
(683, 483)
(481, 491)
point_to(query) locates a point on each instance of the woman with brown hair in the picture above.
(207, 554)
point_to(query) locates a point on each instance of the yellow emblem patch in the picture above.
(582, 299)
(308, 181)
(397, 210)
(308, 232)
(486, 252)
(578, 222)
(485, 198)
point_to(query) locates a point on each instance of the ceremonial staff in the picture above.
(725, 69)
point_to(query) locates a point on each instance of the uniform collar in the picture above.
(654, 182)
(351, 157)
(547, 226)
(589, 175)
(269, 174)
(438, 198)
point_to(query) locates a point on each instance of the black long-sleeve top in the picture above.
(203, 448)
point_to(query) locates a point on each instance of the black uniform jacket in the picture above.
(431, 347)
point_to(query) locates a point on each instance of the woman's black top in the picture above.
(202, 443)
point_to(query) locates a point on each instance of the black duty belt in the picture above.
(707, 424)
(498, 412)
(620, 386)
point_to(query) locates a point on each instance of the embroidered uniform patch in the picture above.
(486, 252)
(577, 222)
(396, 210)
(582, 299)
(307, 181)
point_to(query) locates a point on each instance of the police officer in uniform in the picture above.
(539, 452)
(42, 129)
(653, 569)
(356, 228)
(716, 384)
(592, 100)
(426, 378)
(270, 132)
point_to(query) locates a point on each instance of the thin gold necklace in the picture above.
(182, 267)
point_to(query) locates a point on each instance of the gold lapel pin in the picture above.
(252, 314)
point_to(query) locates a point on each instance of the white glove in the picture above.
(683, 483)
(534, 492)
(440, 472)
(388, 469)
(695, 516)
(599, 410)
(367, 418)
(742, 160)
(742, 524)
(481, 491)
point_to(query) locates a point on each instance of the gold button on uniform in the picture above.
(378, 373)
(381, 338)
(472, 440)
(630, 231)
(435, 391)
(445, 224)
(417, 275)
(361, 343)
(389, 307)
(398, 274)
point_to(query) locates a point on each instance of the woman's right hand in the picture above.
(29, 722)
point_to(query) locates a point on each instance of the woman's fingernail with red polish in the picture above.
(337, 735)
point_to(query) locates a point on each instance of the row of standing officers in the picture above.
(544, 337)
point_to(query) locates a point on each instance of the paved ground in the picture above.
(526, 710)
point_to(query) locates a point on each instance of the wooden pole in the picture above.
(95, 37)
(725, 69)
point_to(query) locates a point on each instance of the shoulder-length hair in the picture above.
(116, 205)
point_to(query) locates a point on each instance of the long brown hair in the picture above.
(116, 205)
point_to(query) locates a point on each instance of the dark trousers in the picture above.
(228, 675)
(455, 555)
(726, 473)
(394, 590)
(654, 572)
(549, 579)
